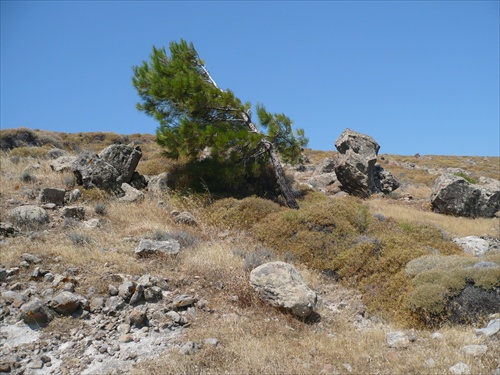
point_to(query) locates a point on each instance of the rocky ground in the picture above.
(55, 319)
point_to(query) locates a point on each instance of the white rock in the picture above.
(459, 368)
(472, 245)
(282, 286)
(397, 340)
(492, 328)
(430, 363)
(475, 350)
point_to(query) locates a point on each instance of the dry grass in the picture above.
(264, 341)
(254, 338)
(453, 226)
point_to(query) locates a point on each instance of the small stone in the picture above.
(30, 258)
(475, 350)
(138, 295)
(48, 277)
(126, 290)
(126, 338)
(150, 247)
(115, 303)
(153, 294)
(189, 348)
(123, 328)
(437, 336)
(185, 218)
(183, 301)
(174, 316)
(132, 356)
(97, 303)
(430, 363)
(137, 316)
(36, 364)
(66, 303)
(145, 280)
(73, 212)
(68, 287)
(103, 349)
(211, 341)
(112, 290)
(491, 329)
(36, 312)
(397, 340)
(459, 368)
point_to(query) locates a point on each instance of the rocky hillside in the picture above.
(105, 269)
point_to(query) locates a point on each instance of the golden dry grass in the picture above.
(454, 226)
(253, 338)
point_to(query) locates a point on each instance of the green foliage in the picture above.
(341, 236)
(466, 178)
(196, 116)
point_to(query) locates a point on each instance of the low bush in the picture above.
(232, 213)
(440, 280)
(341, 237)
(79, 239)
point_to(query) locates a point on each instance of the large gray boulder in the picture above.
(453, 195)
(92, 172)
(282, 286)
(107, 170)
(28, 215)
(124, 158)
(355, 165)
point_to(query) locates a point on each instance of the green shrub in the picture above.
(466, 178)
(341, 237)
(232, 213)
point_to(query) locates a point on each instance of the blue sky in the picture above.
(419, 77)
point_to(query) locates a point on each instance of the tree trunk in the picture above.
(269, 147)
(280, 175)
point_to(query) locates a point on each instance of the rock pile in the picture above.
(138, 318)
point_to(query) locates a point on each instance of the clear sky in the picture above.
(418, 76)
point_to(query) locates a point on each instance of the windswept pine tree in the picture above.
(195, 115)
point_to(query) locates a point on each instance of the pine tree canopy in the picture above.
(195, 114)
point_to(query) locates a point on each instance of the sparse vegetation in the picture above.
(393, 256)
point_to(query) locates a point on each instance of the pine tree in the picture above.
(195, 114)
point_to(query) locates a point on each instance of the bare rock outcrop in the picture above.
(454, 195)
(107, 170)
(356, 168)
